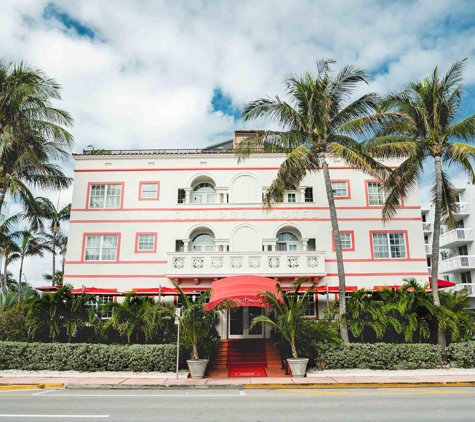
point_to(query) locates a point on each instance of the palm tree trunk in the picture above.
(338, 251)
(436, 244)
(19, 277)
(2, 196)
(5, 266)
(53, 280)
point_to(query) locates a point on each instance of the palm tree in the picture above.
(32, 133)
(48, 213)
(30, 245)
(319, 120)
(288, 310)
(58, 278)
(428, 130)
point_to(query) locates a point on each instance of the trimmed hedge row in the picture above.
(87, 357)
(461, 355)
(378, 356)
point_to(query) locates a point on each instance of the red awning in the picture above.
(442, 283)
(243, 290)
(155, 291)
(334, 289)
(96, 291)
(47, 288)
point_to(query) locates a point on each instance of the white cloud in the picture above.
(147, 79)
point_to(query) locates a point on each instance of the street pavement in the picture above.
(259, 405)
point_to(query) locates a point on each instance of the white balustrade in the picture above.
(215, 264)
(428, 249)
(457, 264)
(462, 208)
(456, 236)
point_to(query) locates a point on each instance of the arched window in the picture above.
(204, 193)
(287, 241)
(202, 242)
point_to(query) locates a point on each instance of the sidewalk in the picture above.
(317, 379)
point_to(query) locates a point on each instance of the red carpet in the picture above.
(247, 371)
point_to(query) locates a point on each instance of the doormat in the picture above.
(246, 371)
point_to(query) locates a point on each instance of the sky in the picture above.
(173, 73)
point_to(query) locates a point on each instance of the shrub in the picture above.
(379, 356)
(87, 357)
(461, 355)
(12, 324)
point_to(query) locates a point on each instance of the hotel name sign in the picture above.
(245, 214)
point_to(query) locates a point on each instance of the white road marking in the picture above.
(144, 395)
(242, 393)
(42, 392)
(54, 416)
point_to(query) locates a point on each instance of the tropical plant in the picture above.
(196, 323)
(58, 278)
(319, 121)
(288, 311)
(428, 130)
(47, 214)
(62, 312)
(32, 133)
(30, 244)
(457, 304)
(8, 247)
(137, 316)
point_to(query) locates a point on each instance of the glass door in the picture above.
(240, 319)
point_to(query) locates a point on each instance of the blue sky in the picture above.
(159, 74)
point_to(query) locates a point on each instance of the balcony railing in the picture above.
(469, 287)
(427, 227)
(457, 264)
(216, 264)
(462, 208)
(456, 237)
(428, 249)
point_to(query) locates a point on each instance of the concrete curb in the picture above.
(154, 387)
(276, 386)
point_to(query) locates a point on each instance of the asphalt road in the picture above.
(401, 404)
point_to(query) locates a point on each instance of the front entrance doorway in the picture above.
(240, 319)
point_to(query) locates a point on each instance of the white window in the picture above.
(105, 312)
(339, 189)
(346, 240)
(203, 242)
(310, 311)
(376, 195)
(149, 190)
(204, 193)
(291, 197)
(389, 245)
(146, 242)
(101, 248)
(287, 242)
(105, 196)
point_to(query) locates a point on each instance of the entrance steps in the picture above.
(246, 352)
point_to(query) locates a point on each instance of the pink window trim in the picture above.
(138, 234)
(152, 182)
(88, 196)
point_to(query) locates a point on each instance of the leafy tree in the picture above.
(428, 131)
(318, 121)
(288, 311)
(12, 322)
(47, 214)
(32, 133)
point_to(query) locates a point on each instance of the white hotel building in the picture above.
(145, 219)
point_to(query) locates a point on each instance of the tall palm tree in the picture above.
(318, 121)
(428, 132)
(47, 214)
(32, 133)
(9, 249)
(30, 245)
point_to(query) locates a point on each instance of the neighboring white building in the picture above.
(145, 219)
(457, 257)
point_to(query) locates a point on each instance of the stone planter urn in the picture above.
(197, 367)
(298, 367)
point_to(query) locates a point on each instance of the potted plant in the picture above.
(288, 310)
(195, 324)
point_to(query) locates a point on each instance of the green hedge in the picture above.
(87, 357)
(378, 356)
(461, 355)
